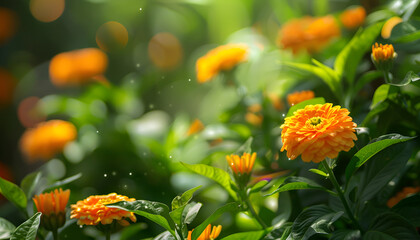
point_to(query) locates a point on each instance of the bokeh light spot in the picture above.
(7, 87)
(111, 36)
(28, 112)
(8, 24)
(165, 51)
(46, 10)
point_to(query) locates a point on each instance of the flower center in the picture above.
(314, 121)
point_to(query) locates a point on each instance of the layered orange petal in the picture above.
(52, 202)
(243, 164)
(209, 233)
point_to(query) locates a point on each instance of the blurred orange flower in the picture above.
(308, 33)
(208, 233)
(382, 53)
(389, 25)
(297, 97)
(196, 126)
(353, 17)
(47, 139)
(77, 67)
(7, 87)
(243, 164)
(52, 205)
(254, 118)
(276, 101)
(318, 131)
(8, 24)
(165, 51)
(406, 192)
(92, 210)
(221, 58)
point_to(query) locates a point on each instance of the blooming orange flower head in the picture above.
(308, 33)
(297, 97)
(77, 67)
(52, 205)
(196, 126)
(92, 210)
(317, 132)
(353, 17)
(222, 58)
(406, 192)
(208, 234)
(383, 56)
(241, 167)
(47, 139)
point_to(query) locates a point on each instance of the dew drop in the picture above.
(105, 175)
(146, 207)
(140, 9)
(80, 226)
(97, 131)
(170, 156)
(189, 79)
(125, 187)
(114, 173)
(131, 174)
(289, 159)
(283, 115)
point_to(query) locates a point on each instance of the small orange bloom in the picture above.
(92, 210)
(47, 139)
(243, 164)
(382, 53)
(196, 126)
(353, 17)
(406, 192)
(297, 97)
(389, 25)
(221, 58)
(276, 101)
(308, 33)
(77, 67)
(52, 205)
(318, 131)
(254, 118)
(208, 233)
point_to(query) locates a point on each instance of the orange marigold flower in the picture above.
(353, 17)
(47, 139)
(406, 192)
(382, 53)
(221, 58)
(389, 25)
(52, 205)
(77, 67)
(297, 97)
(208, 233)
(243, 164)
(308, 33)
(196, 126)
(318, 131)
(92, 210)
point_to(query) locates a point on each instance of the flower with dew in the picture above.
(52, 205)
(92, 210)
(317, 132)
(47, 139)
(222, 58)
(241, 167)
(383, 56)
(353, 17)
(308, 33)
(208, 234)
(297, 97)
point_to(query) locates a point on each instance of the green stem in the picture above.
(386, 77)
(337, 187)
(251, 209)
(108, 235)
(55, 234)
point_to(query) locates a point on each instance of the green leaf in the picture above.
(345, 234)
(368, 151)
(313, 220)
(165, 236)
(29, 183)
(321, 7)
(319, 172)
(349, 58)
(413, 78)
(391, 226)
(381, 107)
(258, 186)
(301, 105)
(190, 212)
(63, 182)
(28, 229)
(403, 7)
(179, 203)
(295, 183)
(381, 168)
(322, 73)
(365, 79)
(6, 228)
(382, 93)
(13, 193)
(215, 174)
(230, 207)
(409, 209)
(406, 31)
(154, 211)
(245, 148)
(254, 235)
(279, 231)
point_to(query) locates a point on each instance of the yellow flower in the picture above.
(383, 52)
(208, 233)
(52, 205)
(196, 126)
(243, 164)
(353, 17)
(221, 58)
(47, 139)
(389, 25)
(308, 33)
(318, 131)
(92, 210)
(297, 97)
